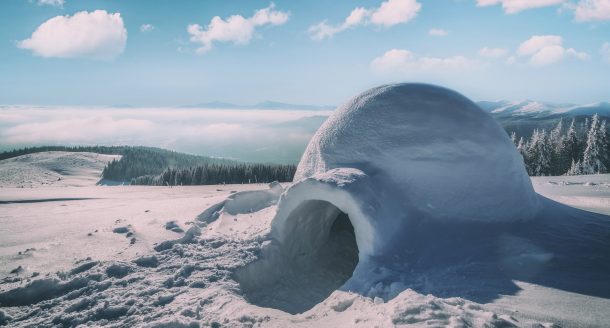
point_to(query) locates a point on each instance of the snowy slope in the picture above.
(55, 168)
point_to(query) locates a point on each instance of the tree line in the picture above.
(212, 174)
(139, 162)
(573, 150)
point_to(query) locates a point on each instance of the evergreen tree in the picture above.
(522, 149)
(555, 138)
(569, 150)
(540, 153)
(605, 145)
(556, 133)
(575, 168)
(595, 156)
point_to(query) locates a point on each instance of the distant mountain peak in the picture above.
(540, 108)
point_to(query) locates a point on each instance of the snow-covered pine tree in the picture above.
(556, 133)
(605, 154)
(569, 151)
(522, 149)
(595, 152)
(513, 138)
(540, 154)
(575, 168)
(555, 138)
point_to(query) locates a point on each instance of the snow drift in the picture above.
(437, 200)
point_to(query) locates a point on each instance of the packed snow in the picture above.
(386, 233)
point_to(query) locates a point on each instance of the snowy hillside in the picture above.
(55, 168)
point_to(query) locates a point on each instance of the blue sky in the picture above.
(551, 50)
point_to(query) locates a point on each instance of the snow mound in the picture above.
(56, 168)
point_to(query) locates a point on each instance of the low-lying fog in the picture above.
(251, 135)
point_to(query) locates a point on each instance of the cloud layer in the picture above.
(236, 29)
(257, 135)
(405, 61)
(543, 50)
(389, 13)
(96, 34)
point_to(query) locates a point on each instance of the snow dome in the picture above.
(405, 152)
(388, 162)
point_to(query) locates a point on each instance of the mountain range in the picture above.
(533, 108)
(523, 117)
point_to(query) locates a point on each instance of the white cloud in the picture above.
(547, 56)
(324, 30)
(515, 6)
(236, 28)
(389, 13)
(56, 3)
(405, 61)
(493, 52)
(146, 27)
(584, 10)
(96, 34)
(437, 32)
(591, 10)
(605, 51)
(577, 54)
(544, 50)
(538, 42)
(394, 12)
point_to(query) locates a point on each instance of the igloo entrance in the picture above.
(320, 257)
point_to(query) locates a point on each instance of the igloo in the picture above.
(387, 162)
(402, 153)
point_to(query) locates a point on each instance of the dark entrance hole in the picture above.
(319, 256)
